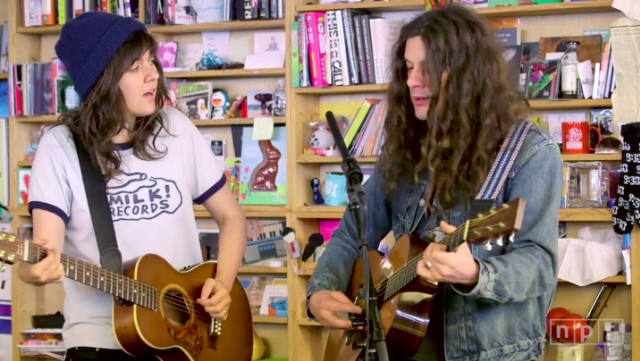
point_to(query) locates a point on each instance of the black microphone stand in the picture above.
(373, 327)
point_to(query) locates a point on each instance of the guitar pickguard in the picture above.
(188, 336)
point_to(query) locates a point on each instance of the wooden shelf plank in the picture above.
(399, 5)
(201, 212)
(249, 211)
(328, 212)
(232, 121)
(316, 159)
(262, 270)
(612, 279)
(381, 88)
(585, 214)
(227, 73)
(587, 7)
(592, 157)
(269, 319)
(569, 104)
(4, 76)
(198, 123)
(500, 11)
(51, 118)
(566, 214)
(347, 89)
(224, 26)
(175, 29)
(40, 30)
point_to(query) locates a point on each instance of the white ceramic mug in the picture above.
(570, 353)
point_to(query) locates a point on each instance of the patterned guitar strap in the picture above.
(504, 162)
(497, 177)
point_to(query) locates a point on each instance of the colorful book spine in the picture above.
(315, 34)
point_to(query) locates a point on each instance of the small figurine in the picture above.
(220, 104)
(210, 61)
(321, 138)
(233, 109)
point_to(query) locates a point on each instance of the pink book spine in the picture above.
(315, 23)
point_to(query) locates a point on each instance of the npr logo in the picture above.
(573, 332)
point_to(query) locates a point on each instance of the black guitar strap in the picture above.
(95, 187)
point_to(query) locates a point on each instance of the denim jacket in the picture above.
(503, 317)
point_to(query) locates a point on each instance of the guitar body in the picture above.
(404, 317)
(181, 336)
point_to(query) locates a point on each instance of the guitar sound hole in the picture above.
(177, 311)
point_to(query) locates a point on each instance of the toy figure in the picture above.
(233, 109)
(264, 175)
(220, 103)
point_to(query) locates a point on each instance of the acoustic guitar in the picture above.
(404, 298)
(158, 316)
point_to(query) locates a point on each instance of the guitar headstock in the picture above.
(10, 248)
(497, 223)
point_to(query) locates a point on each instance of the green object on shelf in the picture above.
(274, 359)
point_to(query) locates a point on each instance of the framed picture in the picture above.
(209, 243)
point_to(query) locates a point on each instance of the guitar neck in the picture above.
(407, 273)
(99, 278)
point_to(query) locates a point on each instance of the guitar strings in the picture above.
(177, 302)
(410, 268)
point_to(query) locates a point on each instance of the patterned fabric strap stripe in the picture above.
(504, 162)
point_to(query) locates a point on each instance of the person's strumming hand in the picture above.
(48, 270)
(215, 299)
(457, 266)
(325, 304)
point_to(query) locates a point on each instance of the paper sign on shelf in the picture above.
(262, 128)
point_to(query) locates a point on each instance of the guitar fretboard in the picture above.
(91, 275)
(391, 285)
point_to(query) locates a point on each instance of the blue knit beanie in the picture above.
(87, 44)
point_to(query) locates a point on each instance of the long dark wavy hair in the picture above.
(472, 108)
(102, 114)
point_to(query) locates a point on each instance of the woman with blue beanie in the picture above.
(156, 165)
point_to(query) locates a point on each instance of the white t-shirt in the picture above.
(151, 206)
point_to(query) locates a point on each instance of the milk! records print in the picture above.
(139, 196)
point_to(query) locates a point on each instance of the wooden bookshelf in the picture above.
(36, 44)
(4, 76)
(227, 73)
(540, 20)
(302, 339)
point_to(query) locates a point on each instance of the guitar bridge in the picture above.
(215, 329)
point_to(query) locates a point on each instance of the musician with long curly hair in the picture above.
(156, 165)
(451, 111)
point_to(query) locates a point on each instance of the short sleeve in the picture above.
(207, 173)
(49, 188)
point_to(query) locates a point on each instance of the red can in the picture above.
(575, 137)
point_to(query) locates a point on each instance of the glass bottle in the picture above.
(254, 292)
(569, 71)
(280, 100)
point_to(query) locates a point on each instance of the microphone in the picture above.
(357, 202)
(350, 166)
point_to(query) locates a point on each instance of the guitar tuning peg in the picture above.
(487, 246)
(499, 242)
(512, 237)
(3, 267)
